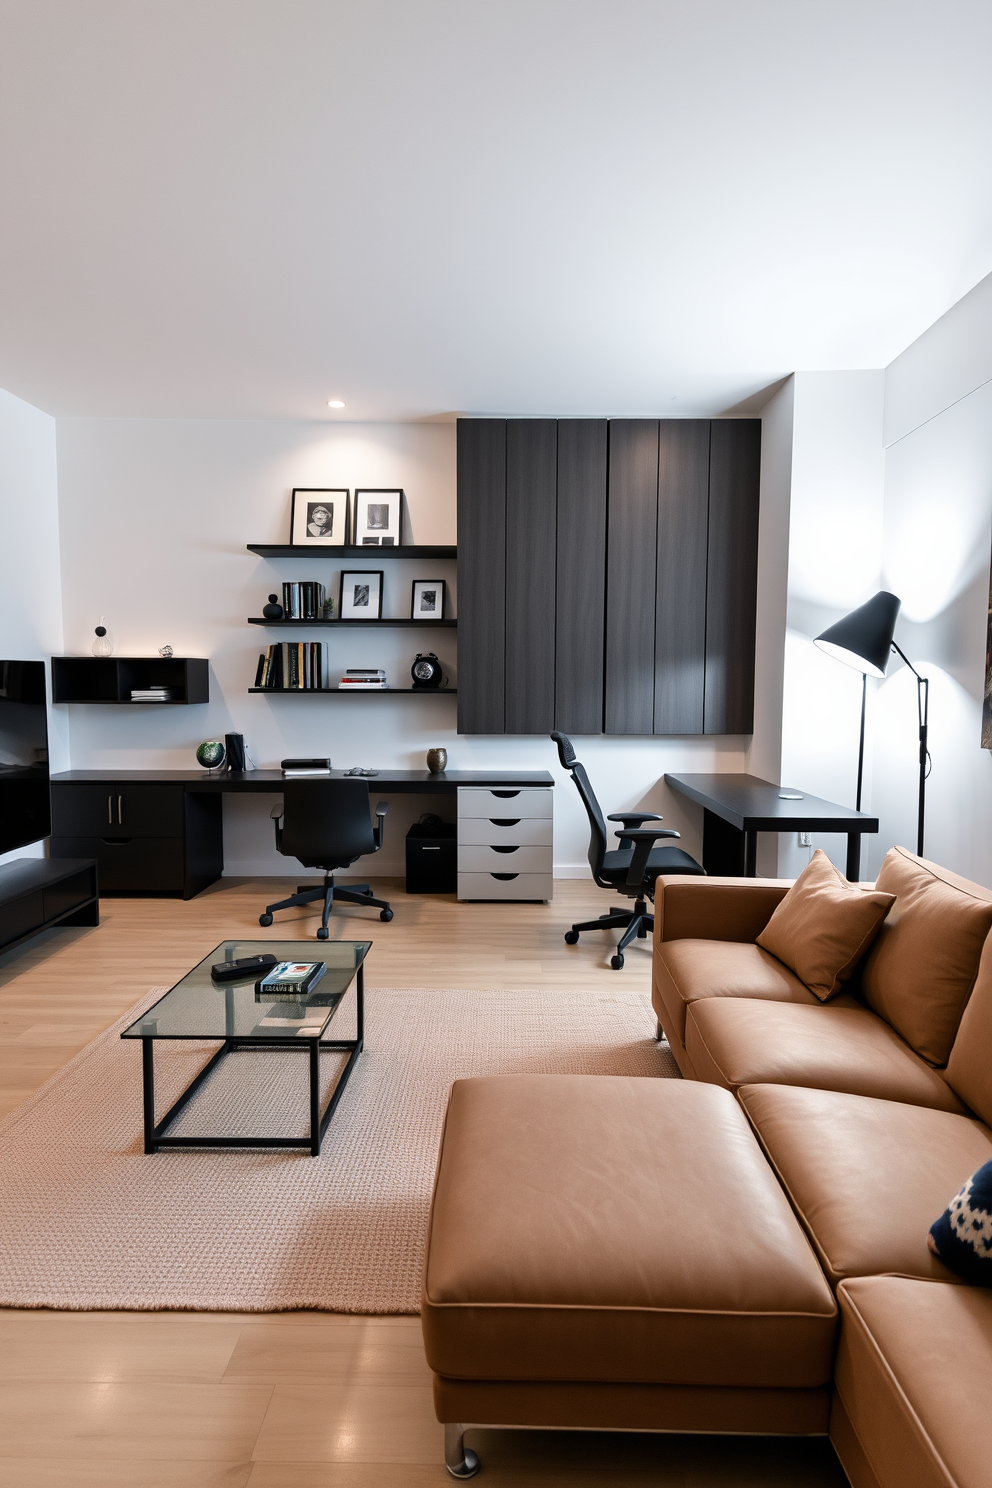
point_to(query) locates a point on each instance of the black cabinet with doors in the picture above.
(607, 575)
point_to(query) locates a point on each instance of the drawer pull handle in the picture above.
(504, 821)
(504, 877)
(494, 848)
(505, 795)
(120, 811)
(110, 811)
(430, 849)
(117, 841)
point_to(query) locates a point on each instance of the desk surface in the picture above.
(754, 805)
(388, 782)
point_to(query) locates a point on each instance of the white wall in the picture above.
(155, 516)
(936, 543)
(30, 591)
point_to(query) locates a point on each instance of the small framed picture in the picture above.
(428, 599)
(361, 596)
(378, 519)
(320, 519)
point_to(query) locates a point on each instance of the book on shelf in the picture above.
(303, 600)
(291, 666)
(154, 694)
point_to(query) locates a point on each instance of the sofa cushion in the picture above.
(685, 970)
(912, 1383)
(824, 926)
(969, 1069)
(962, 1236)
(736, 1041)
(921, 969)
(866, 1176)
(616, 1229)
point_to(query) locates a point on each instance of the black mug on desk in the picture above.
(235, 751)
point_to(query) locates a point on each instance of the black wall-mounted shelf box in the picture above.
(110, 679)
(319, 550)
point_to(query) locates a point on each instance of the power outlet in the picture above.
(805, 839)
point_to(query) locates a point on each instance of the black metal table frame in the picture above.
(155, 1137)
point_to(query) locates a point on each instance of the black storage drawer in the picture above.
(149, 865)
(116, 809)
(432, 861)
(20, 916)
(62, 897)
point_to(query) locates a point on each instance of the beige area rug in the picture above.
(88, 1221)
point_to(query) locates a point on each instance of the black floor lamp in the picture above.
(863, 640)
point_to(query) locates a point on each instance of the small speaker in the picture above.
(235, 751)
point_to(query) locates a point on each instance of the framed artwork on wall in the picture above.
(361, 595)
(428, 599)
(320, 518)
(378, 519)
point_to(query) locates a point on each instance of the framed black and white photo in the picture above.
(378, 519)
(428, 599)
(361, 596)
(320, 519)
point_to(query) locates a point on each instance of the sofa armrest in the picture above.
(715, 908)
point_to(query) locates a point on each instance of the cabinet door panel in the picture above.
(732, 575)
(680, 606)
(116, 808)
(129, 865)
(581, 587)
(531, 499)
(481, 575)
(630, 576)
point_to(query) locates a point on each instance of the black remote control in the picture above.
(239, 971)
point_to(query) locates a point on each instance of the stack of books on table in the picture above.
(293, 767)
(154, 694)
(368, 678)
(291, 666)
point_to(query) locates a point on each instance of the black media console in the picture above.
(36, 893)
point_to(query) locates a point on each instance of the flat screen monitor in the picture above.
(25, 796)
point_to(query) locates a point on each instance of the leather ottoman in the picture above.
(615, 1253)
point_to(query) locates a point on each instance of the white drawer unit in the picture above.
(505, 843)
(516, 886)
(474, 800)
(484, 831)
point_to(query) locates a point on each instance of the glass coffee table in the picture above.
(199, 1008)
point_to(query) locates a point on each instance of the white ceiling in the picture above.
(240, 208)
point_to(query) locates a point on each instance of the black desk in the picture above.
(737, 807)
(161, 831)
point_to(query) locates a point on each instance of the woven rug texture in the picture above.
(88, 1221)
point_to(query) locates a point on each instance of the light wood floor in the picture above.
(292, 1400)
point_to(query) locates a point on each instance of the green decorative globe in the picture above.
(211, 754)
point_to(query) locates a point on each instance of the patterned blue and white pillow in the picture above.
(962, 1236)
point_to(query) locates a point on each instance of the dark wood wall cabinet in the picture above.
(607, 575)
(111, 679)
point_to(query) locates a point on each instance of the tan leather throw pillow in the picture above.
(923, 966)
(824, 925)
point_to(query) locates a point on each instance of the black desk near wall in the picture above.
(161, 831)
(737, 807)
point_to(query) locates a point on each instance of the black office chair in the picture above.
(326, 825)
(631, 870)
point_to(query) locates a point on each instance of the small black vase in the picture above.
(273, 610)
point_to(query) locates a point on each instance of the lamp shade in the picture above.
(863, 639)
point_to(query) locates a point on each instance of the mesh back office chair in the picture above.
(326, 825)
(631, 869)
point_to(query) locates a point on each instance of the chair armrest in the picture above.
(381, 808)
(377, 831)
(643, 839)
(632, 818)
(715, 908)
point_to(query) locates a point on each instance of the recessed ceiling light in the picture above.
(334, 403)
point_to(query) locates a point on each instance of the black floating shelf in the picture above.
(355, 691)
(318, 550)
(421, 624)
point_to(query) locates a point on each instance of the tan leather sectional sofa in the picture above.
(870, 1133)
(744, 1250)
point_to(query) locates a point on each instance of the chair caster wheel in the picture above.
(386, 914)
(469, 1466)
(571, 937)
(617, 963)
(323, 933)
(265, 919)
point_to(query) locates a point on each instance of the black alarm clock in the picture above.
(426, 671)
